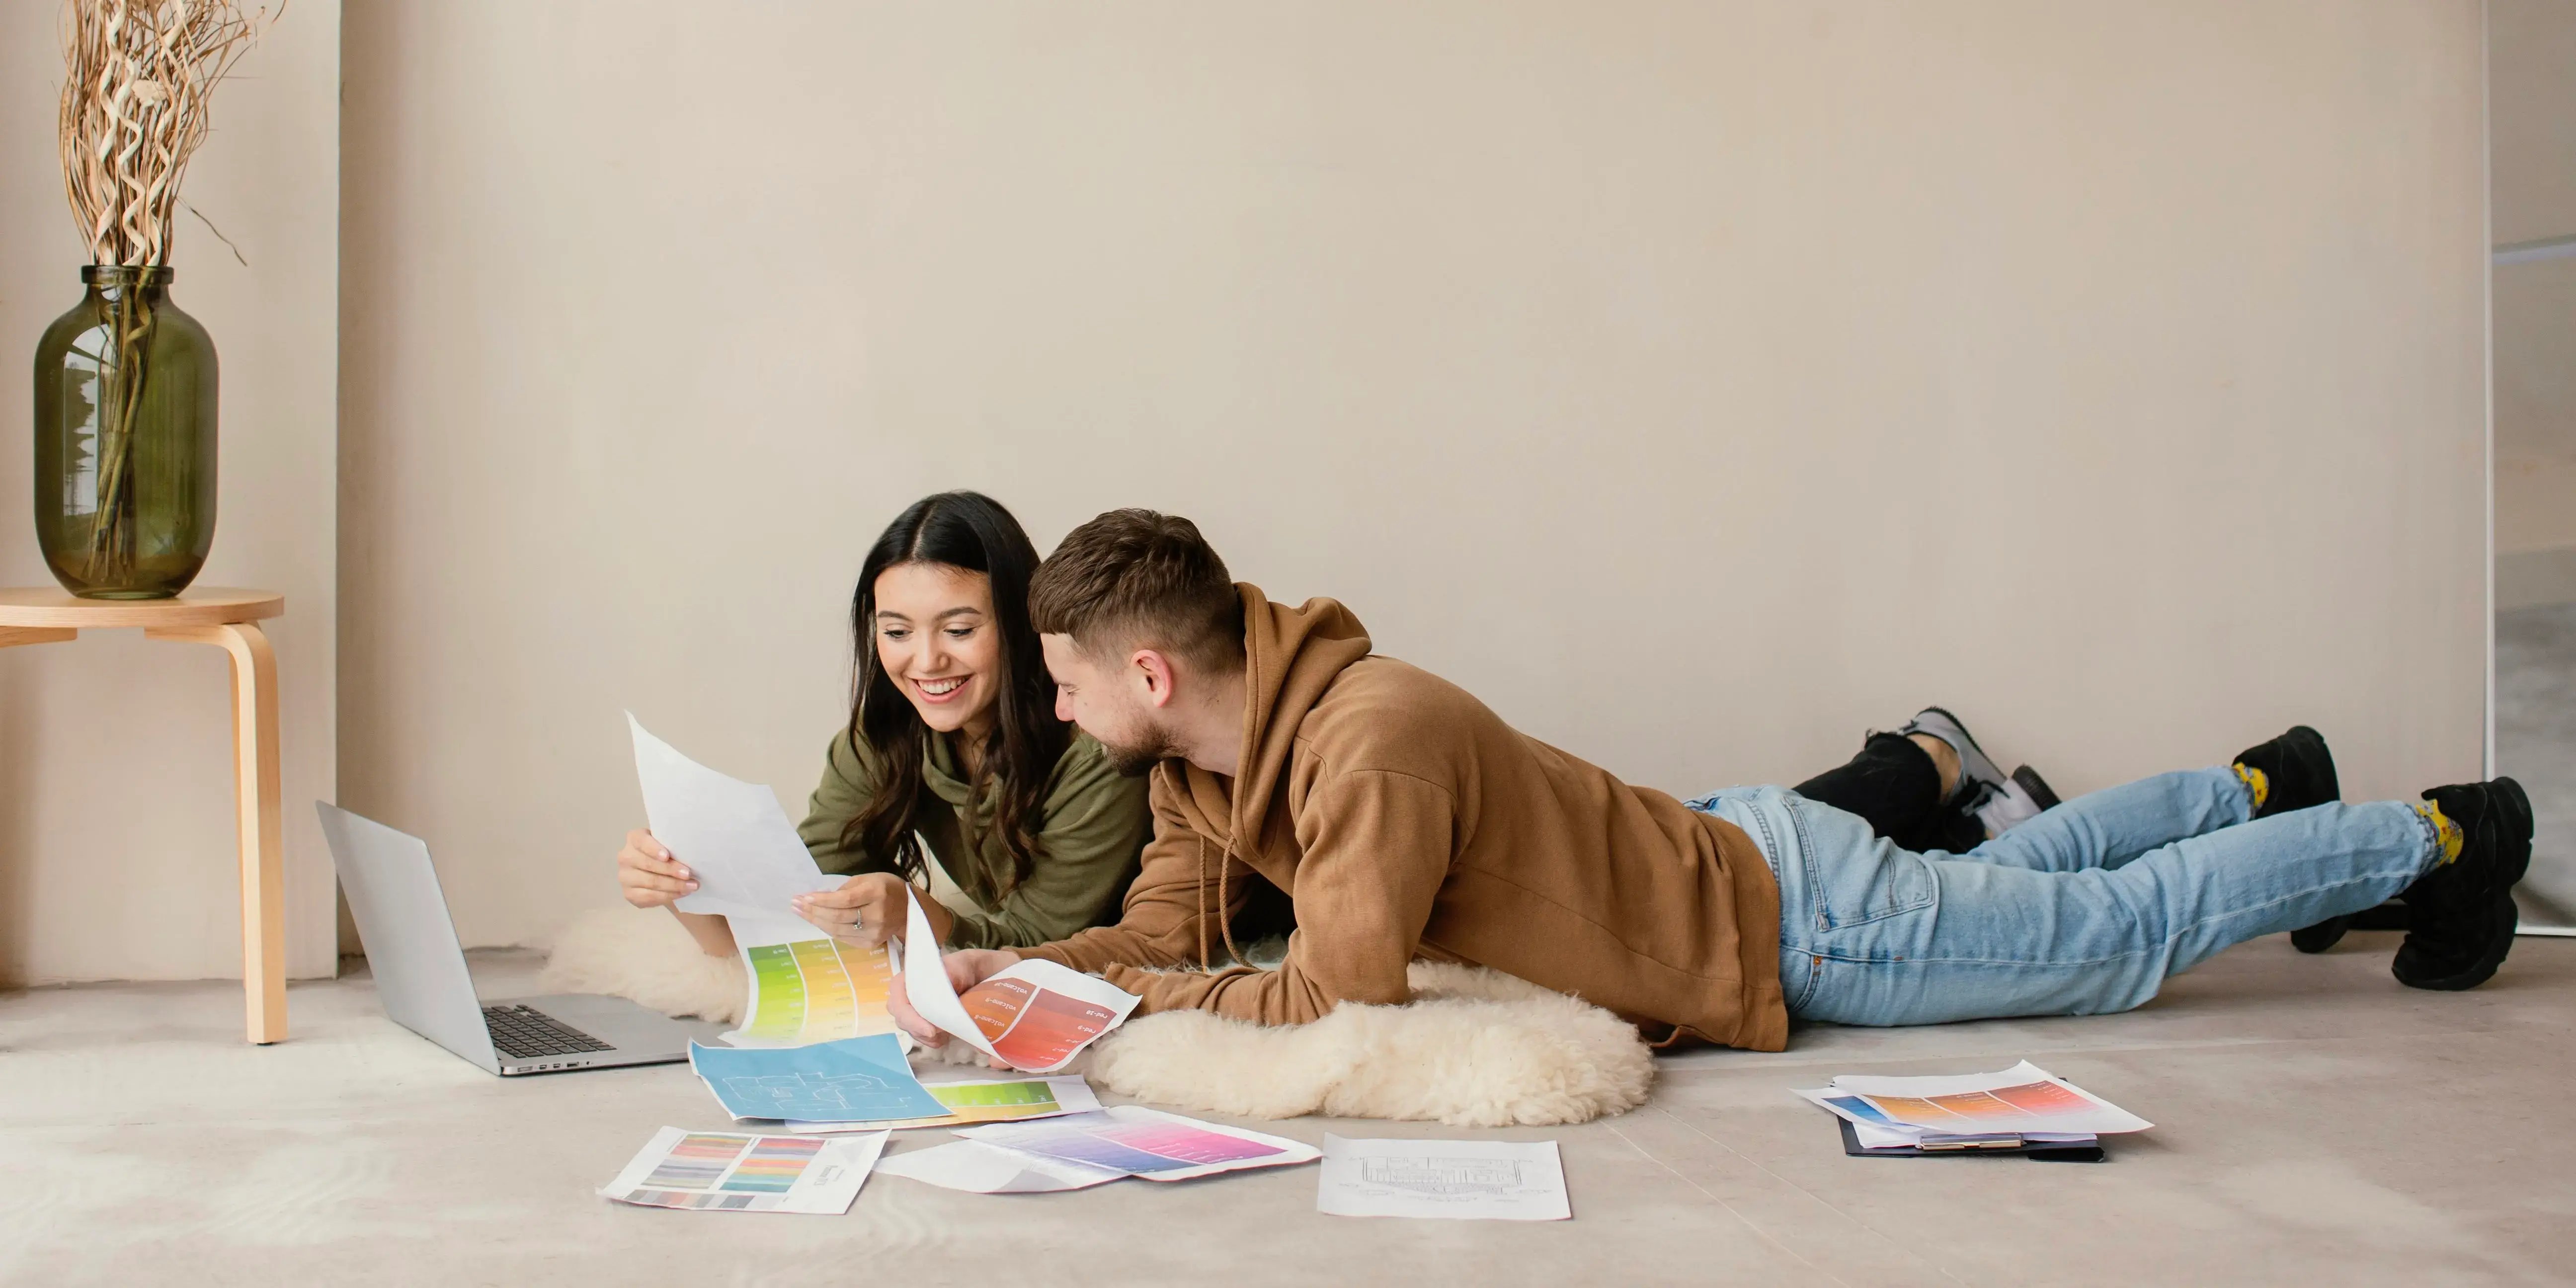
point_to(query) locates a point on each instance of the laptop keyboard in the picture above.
(524, 1033)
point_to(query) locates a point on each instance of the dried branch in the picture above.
(139, 76)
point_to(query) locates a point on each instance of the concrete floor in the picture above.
(2316, 1124)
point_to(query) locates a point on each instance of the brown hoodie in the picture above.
(1406, 820)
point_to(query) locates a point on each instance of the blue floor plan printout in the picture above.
(853, 1080)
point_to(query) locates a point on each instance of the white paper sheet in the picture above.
(982, 1169)
(1488, 1180)
(732, 835)
(711, 1171)
(1042, 1014)
(1136, 1141)
(2024, 1100)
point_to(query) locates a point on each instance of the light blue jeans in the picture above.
(2080, 911)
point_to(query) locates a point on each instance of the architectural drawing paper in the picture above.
(1488, 1180)
(853, 1080)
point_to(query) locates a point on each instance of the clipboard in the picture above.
(2046, 1151)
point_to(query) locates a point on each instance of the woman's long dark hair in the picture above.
(971, 531)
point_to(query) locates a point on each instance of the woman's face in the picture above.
(938, 642)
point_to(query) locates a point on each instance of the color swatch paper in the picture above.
(997, 1101)
(729, 1172)
(1136, 1141)
(1035, 1015)
(806, 987)
(2023, 1100)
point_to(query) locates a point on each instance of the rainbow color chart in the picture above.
(725, 1172)
(815, 990)
(2019, 1103)
(1137, 1148)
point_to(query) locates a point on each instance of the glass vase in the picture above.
(125, 439)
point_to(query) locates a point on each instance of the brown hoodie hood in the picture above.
(1290, 656)
(1407, 820)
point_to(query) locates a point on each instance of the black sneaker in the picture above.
(2462, 912)
(2327, 933)
(2300, 771)
(2300, 774)
(1978, 774)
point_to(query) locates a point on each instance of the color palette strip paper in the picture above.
(996, 1101)
(725, 1172)
(1135, 1141)
(1035, 1016)
(2024, 1099)
(854, 1080)
(808, 988)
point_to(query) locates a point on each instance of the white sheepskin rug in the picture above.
(1475, 1048)
(648, 958)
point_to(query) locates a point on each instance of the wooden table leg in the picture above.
(255, 782)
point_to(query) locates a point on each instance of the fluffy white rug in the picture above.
(1475, 1048)
(645, 956)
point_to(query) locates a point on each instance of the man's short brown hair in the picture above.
(1135, 578)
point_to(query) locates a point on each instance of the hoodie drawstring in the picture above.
(1225, 926)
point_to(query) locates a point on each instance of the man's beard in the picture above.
(1135, 760)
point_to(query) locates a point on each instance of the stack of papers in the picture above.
(1082, 1150)
(2024, 1104)
(724, 1172)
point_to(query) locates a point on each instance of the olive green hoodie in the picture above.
(1406, 820)
(1090, 822)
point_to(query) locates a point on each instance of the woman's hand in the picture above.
(868, 909)
(647, 874)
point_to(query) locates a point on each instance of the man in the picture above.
(1406, 820)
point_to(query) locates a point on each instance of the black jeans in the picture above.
(1895, 786)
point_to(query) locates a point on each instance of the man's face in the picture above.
(1114, 704)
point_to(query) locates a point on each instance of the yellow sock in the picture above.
(2257, 783)
(2452, 837)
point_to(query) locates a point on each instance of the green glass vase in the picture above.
(125, 439)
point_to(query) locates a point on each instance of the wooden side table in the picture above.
(230, 620)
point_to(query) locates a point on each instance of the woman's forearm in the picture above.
(714, 936)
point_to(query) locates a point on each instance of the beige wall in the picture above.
(116, 804)
(1698, 383)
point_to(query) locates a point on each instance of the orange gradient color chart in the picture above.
(2030, 1099)
(1032, 1027)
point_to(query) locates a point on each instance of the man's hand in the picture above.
(967, 967)
(868, 908)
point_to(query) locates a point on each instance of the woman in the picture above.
(952, 741)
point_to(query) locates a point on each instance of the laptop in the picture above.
(420, 972)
